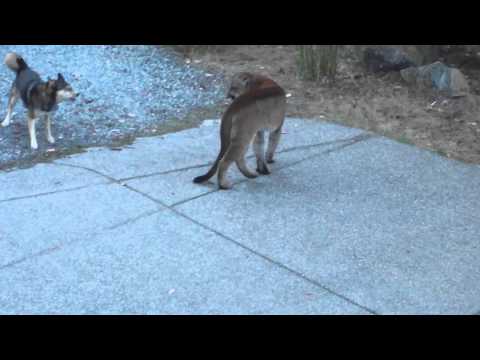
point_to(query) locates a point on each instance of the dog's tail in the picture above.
(15, 62)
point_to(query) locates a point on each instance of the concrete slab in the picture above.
(390, 226)
(38, 224)
(43, 179)
(375, 226)
(175, 187)
(193, 147)
(8, 251)
(299, 132)
(161, 264)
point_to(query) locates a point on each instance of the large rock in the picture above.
(386, 59)
(437, 76)
(464, 56)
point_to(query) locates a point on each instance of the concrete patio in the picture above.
(348, 223)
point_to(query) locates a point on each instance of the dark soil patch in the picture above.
(382, 104)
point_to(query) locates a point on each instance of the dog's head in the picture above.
(63, 89)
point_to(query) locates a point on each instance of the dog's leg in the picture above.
(32, 133)
(11, 104)
(50, 138)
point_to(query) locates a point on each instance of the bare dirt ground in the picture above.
(381, 104)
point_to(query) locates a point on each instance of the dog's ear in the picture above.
(60, 77)
(51, 84)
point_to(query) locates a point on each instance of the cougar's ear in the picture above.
(254, 82)
(246, 78)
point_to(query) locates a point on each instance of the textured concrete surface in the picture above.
(348, 223)
(161, 264)
(391, 227)
(45, 179)
(36, 225)
(193, 148)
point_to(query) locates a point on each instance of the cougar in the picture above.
(259, 105)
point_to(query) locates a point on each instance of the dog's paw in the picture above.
(33, 146)
(5, 123)
(51, 140)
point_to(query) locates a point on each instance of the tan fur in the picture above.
(259, 105)
(11, 61)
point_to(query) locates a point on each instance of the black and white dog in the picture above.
(40, 98)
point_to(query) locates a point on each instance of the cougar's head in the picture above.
(242, 83)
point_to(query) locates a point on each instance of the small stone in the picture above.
(458, 84)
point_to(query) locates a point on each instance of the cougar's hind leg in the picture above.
(273, 141)
(241, 147)
(223, 167)
(244, 169)
(259, 149)
(235, 153)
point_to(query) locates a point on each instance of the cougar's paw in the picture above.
(226, 185)
(263, 169)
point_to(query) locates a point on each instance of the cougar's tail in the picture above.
(225, 130)
(211, 172)
(15, 62)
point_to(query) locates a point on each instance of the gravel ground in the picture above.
(125, 91)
